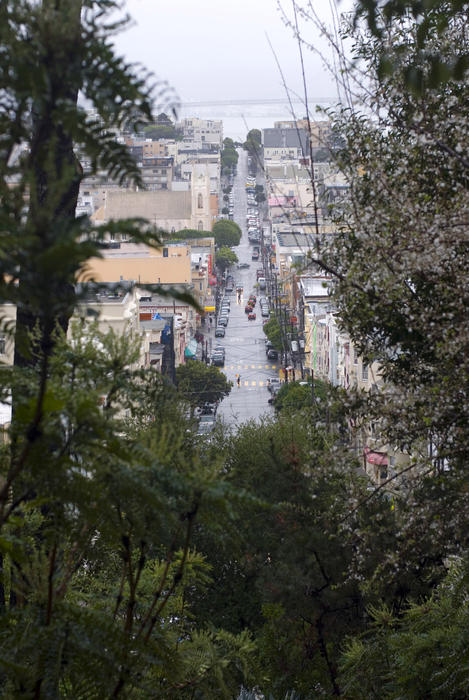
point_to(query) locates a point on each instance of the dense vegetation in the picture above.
(138, 560)
(229, 157)
(227, 233)
(225, 257)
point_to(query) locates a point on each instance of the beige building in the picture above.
(331, 356)
(167, 210)
(202, 132)
(113, 310)
(170, 264)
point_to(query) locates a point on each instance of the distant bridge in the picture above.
(271, 101)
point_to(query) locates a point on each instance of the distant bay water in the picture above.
(238, 119)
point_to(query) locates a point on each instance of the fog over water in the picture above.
(239, 119)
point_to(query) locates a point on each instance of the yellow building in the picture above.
(143, 265)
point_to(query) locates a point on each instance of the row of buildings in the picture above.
(302, 182)
(182, 178)
(182, 190)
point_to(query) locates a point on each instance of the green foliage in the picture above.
(420, 654)
(401, 270)
(424, 21)
(281, 570)
(229, 156)
(273, 331)
(162, 128)
(67, 52)
(198, 383)
(253, 145)
(253, 142)
(98, 556)
(225, 257)
(100, 482)
(162, 131)
(260, 194)
(188, 233)
(227, 233)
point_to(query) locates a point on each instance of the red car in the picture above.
(252, 316)
(247, 309)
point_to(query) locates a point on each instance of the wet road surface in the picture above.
(244, 341)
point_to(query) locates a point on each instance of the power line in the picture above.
(269, 101)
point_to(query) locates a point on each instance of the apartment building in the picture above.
(202, 133)
(285, 144)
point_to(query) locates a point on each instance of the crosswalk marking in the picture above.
(253, 382)
(252, 367)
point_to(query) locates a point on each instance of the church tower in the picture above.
(200, 201)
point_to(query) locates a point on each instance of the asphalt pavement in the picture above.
(244, 341)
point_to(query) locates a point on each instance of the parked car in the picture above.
(272, 354)
(248, 309)
(273, 384)
(220, 332)
(255, 255)
(243, 266)
(209, 409)
(223, 321)
(218, 359)
(265, 311)
(205, 428)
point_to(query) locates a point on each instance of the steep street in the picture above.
(245, 340)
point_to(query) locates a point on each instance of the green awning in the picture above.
(191, 348)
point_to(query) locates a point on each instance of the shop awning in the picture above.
(191, 348)
(376, 457)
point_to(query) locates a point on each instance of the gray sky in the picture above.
(211, 50)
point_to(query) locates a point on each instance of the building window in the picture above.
(200, 286)
(355, 357)
(2, 345)
(165, 252)
(200, 226)
(200, 201)
(364, 373)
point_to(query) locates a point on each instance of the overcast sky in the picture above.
(211, 50)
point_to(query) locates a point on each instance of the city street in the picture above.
(245, 340)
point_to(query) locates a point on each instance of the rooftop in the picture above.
(305, 241)
(285, 138)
